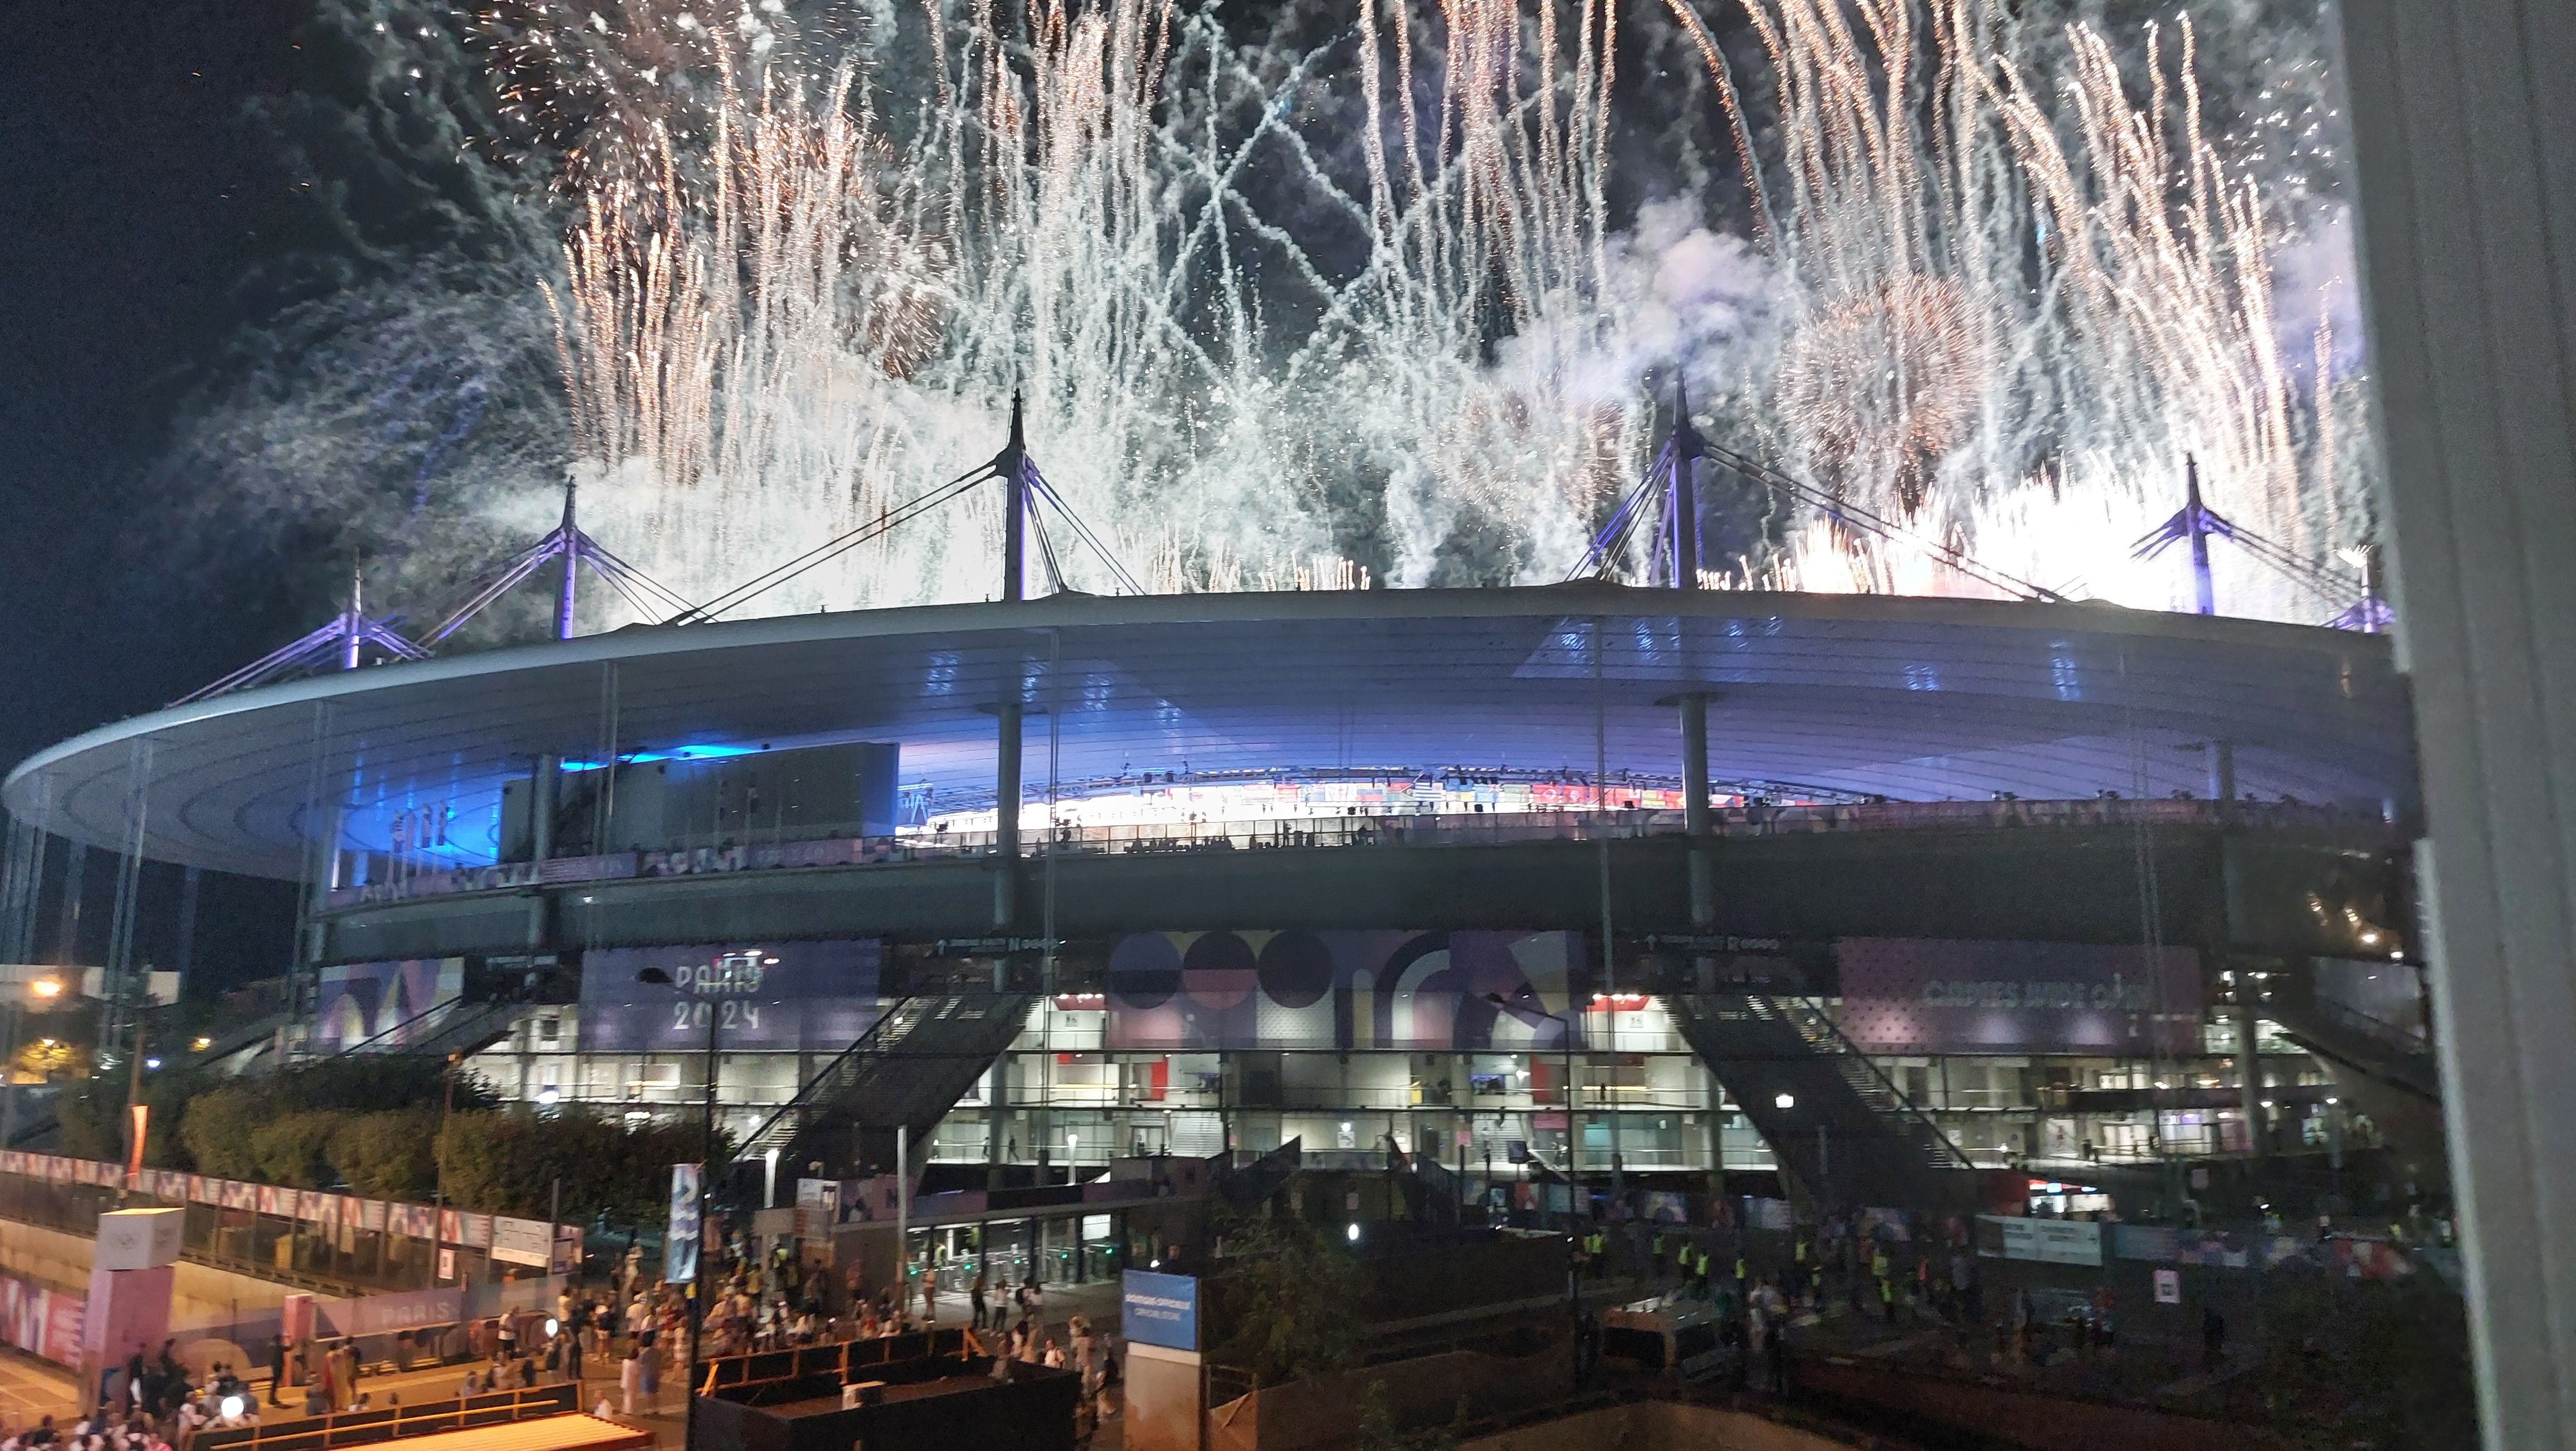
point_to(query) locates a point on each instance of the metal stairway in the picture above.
(905, 1072)
(450, 1025)
(2386, 1051)
(1847, 1134)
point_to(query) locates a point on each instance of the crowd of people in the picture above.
(624, 1341)
(146, 1403)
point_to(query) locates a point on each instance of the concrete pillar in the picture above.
(545, 784)
(1698, 822)
(1006, 813)
(131, 1275)
(2464, 131)
(2249, 1072)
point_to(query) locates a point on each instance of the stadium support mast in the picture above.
(2196, 522)
(342, 644)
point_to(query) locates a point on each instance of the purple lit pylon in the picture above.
(2196, 522)
(565, 542)
(341, 644)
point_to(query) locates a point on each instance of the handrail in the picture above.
(356, 1428)
(363, 1044)
(814, 1087)
(1845, 1050)
(1388, 829)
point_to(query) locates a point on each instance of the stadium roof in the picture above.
(1910, 698)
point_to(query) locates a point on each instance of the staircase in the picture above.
(1875, 1147)
(905, 1072)
(2386, 1051)
(1243, 1189)
(450, 1025)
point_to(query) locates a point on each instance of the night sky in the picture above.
(144, 206)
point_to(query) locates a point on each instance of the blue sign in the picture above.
(1160, 1310)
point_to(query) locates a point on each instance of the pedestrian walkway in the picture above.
(32, 1388)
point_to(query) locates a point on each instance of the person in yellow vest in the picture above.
(1887, 1297)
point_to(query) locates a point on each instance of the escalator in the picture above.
(1833, 1121)
(905, 1072)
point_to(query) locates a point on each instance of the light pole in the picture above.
(659, 977)
(438, 1192)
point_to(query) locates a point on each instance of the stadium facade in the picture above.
(1612, 885)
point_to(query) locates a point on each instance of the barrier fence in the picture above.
(337, 1243)
(360, 1428)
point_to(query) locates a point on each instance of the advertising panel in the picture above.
(807, 996)
(1924, 995)
(357, 1001)
(2045, 1241)
(1159, 1309)
(1342, 991)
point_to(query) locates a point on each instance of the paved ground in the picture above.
(31, 1388)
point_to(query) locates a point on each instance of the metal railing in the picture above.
(360, 1428)
(1300, 832)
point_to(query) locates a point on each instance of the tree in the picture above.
(216, 1130)
(1378, 1431)
(510, 1162)
(388, 1155)
(1287, 1301)
(294, 1149)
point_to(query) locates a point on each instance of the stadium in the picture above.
(1586, 886)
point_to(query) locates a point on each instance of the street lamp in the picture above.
(659, 977)
(43, 989)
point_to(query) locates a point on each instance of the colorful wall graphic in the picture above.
(1427, 991)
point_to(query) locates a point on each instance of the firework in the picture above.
(2000, 282)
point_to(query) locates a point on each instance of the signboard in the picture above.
(2049, 1241)
(782, 995)
(2168, 1287)
(522, 1241)
(1159, 1309)
(1922, 995)
(446, 1263)
(680, 1245)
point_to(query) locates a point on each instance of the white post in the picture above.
(2464, 140)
